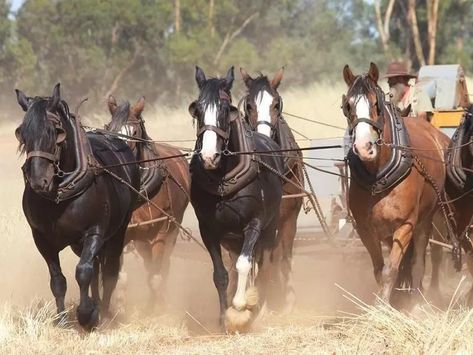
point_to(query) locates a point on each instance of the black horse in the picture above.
(244, 219)
(459, 186)
(69, 201)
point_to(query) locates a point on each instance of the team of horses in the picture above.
(100, 190)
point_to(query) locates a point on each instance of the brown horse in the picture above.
(155, 241)
(263, 112)
(393, 192)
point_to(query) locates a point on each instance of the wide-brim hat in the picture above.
(396, 69)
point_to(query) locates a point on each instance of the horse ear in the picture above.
(18, 134)
(373, 73)
(55, 98)
(199, 77)
(22, 99)
(247, 79)
(277, 78)
(348, 75)
(229, 78)
(193, 109)
(112, 104)
(139, 106)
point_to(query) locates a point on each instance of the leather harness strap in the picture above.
(225, 135)
(40, 154)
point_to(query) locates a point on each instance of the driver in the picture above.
(408, 97)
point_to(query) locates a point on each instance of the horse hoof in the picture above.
(237, 321)
(88, 317)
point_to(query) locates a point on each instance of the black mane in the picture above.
(259, 84)
(119, 117)
(210, 92)
(35, 125)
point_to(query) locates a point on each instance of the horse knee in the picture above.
(84, 273)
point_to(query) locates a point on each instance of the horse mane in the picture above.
(119, 117)
(362, 85)
(35, 123)
(210, 92)
(260, 83)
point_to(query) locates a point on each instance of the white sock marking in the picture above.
(243, 267)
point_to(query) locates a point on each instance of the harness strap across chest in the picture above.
(398, 166)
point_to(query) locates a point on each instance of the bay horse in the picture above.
(90, 216)
(392, 206)
(154, 241)
(459, 185)
(244, 220)
(263, 112)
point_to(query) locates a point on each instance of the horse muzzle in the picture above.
(210, 162)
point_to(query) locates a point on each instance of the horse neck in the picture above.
(68, 156)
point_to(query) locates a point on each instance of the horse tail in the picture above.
(404, 276)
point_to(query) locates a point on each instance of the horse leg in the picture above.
(401, 239)
(436, 257)
(160, 265)
(286, 235)
(58, 282)
(111, 267)
(373, 246)
(220, 275)
(243, 265)
(87, 311)
(94, 285)
(418, 262)
(233, 275)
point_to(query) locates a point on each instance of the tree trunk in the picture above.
(211, 17)
(383, 26)
(122, 73)
(177, 15)
(230, 36)
(412, 19)
(432, 18)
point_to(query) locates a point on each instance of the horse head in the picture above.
(263, 104)
(212, 112)
(41, 135)
(127, 120)
(363, 106)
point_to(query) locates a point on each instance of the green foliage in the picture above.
(135, 47)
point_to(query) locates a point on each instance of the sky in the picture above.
(15, 4)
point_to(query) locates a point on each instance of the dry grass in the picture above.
(379, 329)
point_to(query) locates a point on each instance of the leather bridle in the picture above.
(60, 138)
(271, 125)
(224, 134)
(380, 102)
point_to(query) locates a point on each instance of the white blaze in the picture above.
(263, 105)
(209, 140)
(364, 132)
(243, 267)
